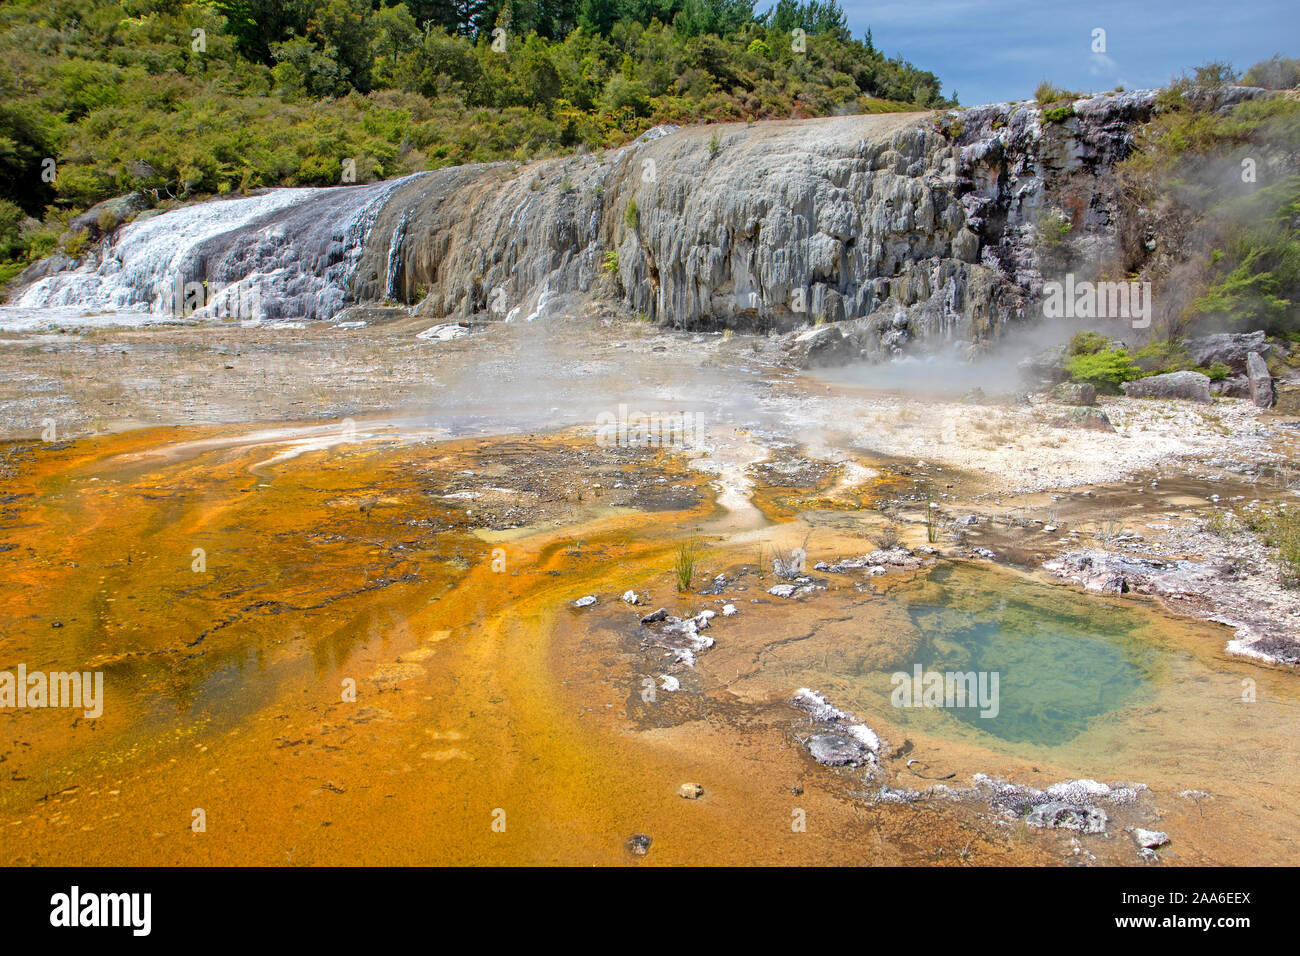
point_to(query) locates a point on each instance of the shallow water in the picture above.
(1060, 659)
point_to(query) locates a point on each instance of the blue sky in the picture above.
(994, 50)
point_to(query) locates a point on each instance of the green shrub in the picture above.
(1059, 114)
(1104, 370)
(1087, 343)
(1162, 355)
(632, 215)
(107, 220)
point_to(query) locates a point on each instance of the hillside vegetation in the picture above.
(183, 99)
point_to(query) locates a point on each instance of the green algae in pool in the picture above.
(1061, 659)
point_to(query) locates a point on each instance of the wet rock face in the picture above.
(878, 233)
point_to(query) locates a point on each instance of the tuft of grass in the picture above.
(889, 537)
(1221, 524)
(931, 517)
(688, 553)
(789, 563)
(632, 215)
(611, 261)
(1048, 92)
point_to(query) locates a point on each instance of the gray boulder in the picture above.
(1261, 381)
(1075, 393)
(1230, 348)
(1089, 419)
(823, 346)
(1234, 386)
(1047, 365)
(1191, 386)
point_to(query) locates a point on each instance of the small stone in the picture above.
(1150, 839)
(587, 601)
(690, 791)
(638, 844)
(655, 617)
(670, 683)
(728, 610)
(631, 597)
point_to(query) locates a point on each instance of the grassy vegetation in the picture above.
(688, 553)
(1048, 93)
(1279, 529)
(187, 98)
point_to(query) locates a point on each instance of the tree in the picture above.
(1215, 73)
(698, 17)
(257, 24)
(395, 32)
(347, 27)
(1275, 73)
(813, 17)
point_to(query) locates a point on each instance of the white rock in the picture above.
(1150, 839)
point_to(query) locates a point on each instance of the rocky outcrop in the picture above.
(896, 231)
(1227, 348)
